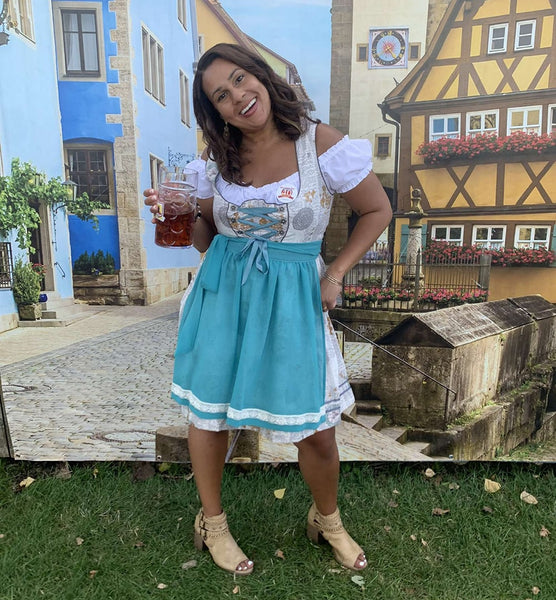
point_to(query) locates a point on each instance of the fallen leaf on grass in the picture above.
(92, 574)
(280, 493)
(190, 564)
(236, 590)
(393, 504)
(543, 532)
(2, 536)
(161, 586)
(535, 590)
(429, 473)
(413, 537)
(488, 510)
(26, 482)
(528, 498)
(358, 580)
(453, 486)
(95, 473)
(395, 492)
(335, 571)
(438, 512)
(138, 544)
(279, 554)
(491, 486)
(424, 543)
(387, 528)
(79, 541)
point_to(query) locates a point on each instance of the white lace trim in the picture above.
(247, 413)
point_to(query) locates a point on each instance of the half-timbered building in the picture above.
(478, 127)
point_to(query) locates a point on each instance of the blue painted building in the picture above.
(125, 72)
(30, 130)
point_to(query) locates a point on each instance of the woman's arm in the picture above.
(369, 201)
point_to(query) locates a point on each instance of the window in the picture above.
(525, 35)
(184, 99)
(201, 40)
(489, 236)
(153, 67)
(414, 51)
(6, 265)
(444, 126)
(524, 119)
(89, 169)
(362, 52)
(482, 122)
(79, 40)
(155, 164)
(527, 236)
(79, 29)
(448, 233)
(552, 119)
(182, 13)
(497, 38)
(382, 145)
(21, 13)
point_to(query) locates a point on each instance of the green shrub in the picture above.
(27, 283)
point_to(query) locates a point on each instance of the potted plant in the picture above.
(26, 290)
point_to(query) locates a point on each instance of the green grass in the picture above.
(137, 535)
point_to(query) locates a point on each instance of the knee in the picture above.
(321, 443)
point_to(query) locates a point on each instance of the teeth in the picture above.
(248, 106)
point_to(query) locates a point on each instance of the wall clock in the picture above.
(388, 48)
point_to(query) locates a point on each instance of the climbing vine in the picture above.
(26, 185)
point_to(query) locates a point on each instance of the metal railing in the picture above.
(6, 266)
(380, 283)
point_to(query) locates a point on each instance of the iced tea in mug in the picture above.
(177, 200)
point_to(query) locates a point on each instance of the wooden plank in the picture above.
(355, 443)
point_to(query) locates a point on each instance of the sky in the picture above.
(298, 30)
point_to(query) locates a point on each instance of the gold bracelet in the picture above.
(333, 280)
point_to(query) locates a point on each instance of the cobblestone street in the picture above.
(99, 388)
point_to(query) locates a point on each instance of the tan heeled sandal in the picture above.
(213, 534)
(329, 528)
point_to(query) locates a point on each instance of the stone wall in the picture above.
(340, 91)
(133, 258)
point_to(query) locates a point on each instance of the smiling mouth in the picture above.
(248, 107)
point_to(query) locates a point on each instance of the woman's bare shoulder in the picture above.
(326, 137)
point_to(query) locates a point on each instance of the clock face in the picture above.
(388, 48)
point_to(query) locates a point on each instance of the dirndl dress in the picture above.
(254, 348)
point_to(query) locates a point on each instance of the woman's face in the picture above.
(240, 98)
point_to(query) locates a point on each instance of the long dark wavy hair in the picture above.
(288, 112)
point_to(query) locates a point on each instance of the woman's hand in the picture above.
(329, 293)
(151, 199)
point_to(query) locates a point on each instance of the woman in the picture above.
(255, 346)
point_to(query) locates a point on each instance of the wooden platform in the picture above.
(355, 443)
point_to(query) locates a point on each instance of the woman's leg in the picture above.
(319, 462)
(207, 450)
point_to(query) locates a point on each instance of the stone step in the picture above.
(368, 407)
(396, 433)
(422, 447)
(63, 320)
(375, 422)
